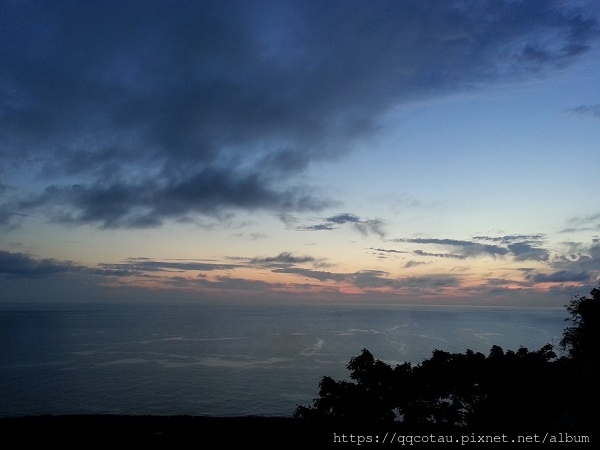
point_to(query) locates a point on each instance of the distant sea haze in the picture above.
(227, 360)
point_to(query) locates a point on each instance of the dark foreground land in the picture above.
(148, 432)
(190, 432)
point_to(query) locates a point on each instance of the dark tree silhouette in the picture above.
(370, 398)
(582, 342)
(504, 390)
(582, 339)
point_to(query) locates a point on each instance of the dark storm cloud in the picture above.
(160, 110)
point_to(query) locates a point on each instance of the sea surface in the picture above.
(227, 359)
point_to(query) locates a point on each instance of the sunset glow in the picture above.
(364, 152)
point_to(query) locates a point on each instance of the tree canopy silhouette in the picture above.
(504, 389)
(582, 339)
(582, 342)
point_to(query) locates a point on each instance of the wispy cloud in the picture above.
(519, 247)
(282, 258)
(588, 222)
(388, 250)
(140, 265)
(464, 248)
(363, 226)
(586, 110)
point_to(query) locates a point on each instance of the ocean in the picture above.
(227, 359)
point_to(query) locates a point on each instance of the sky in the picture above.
(366, 152)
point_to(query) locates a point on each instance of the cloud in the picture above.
(529, 238)
(283, 258)
(438, 255)
(142, 265)
(580, 264)
(364, 227)
(287, 263)
(428, 282)
(137, 113)
(147, 204)
(388, 250)
(563, 276)
(412, 263)
(374, 226)
(368, 279)
(343, 218)
(320, 275)
(523, 251)
(581, 257)
(20, 265)
(318, 227)
(238, 284)
(465, 248)
(586, 110)
(589, 222)
(360, 279)
(521, 247)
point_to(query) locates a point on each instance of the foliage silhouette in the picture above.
(504, 390)
(582, 339)
(582, 342)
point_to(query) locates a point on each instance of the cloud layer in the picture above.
(137, 113)
(299, 274)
